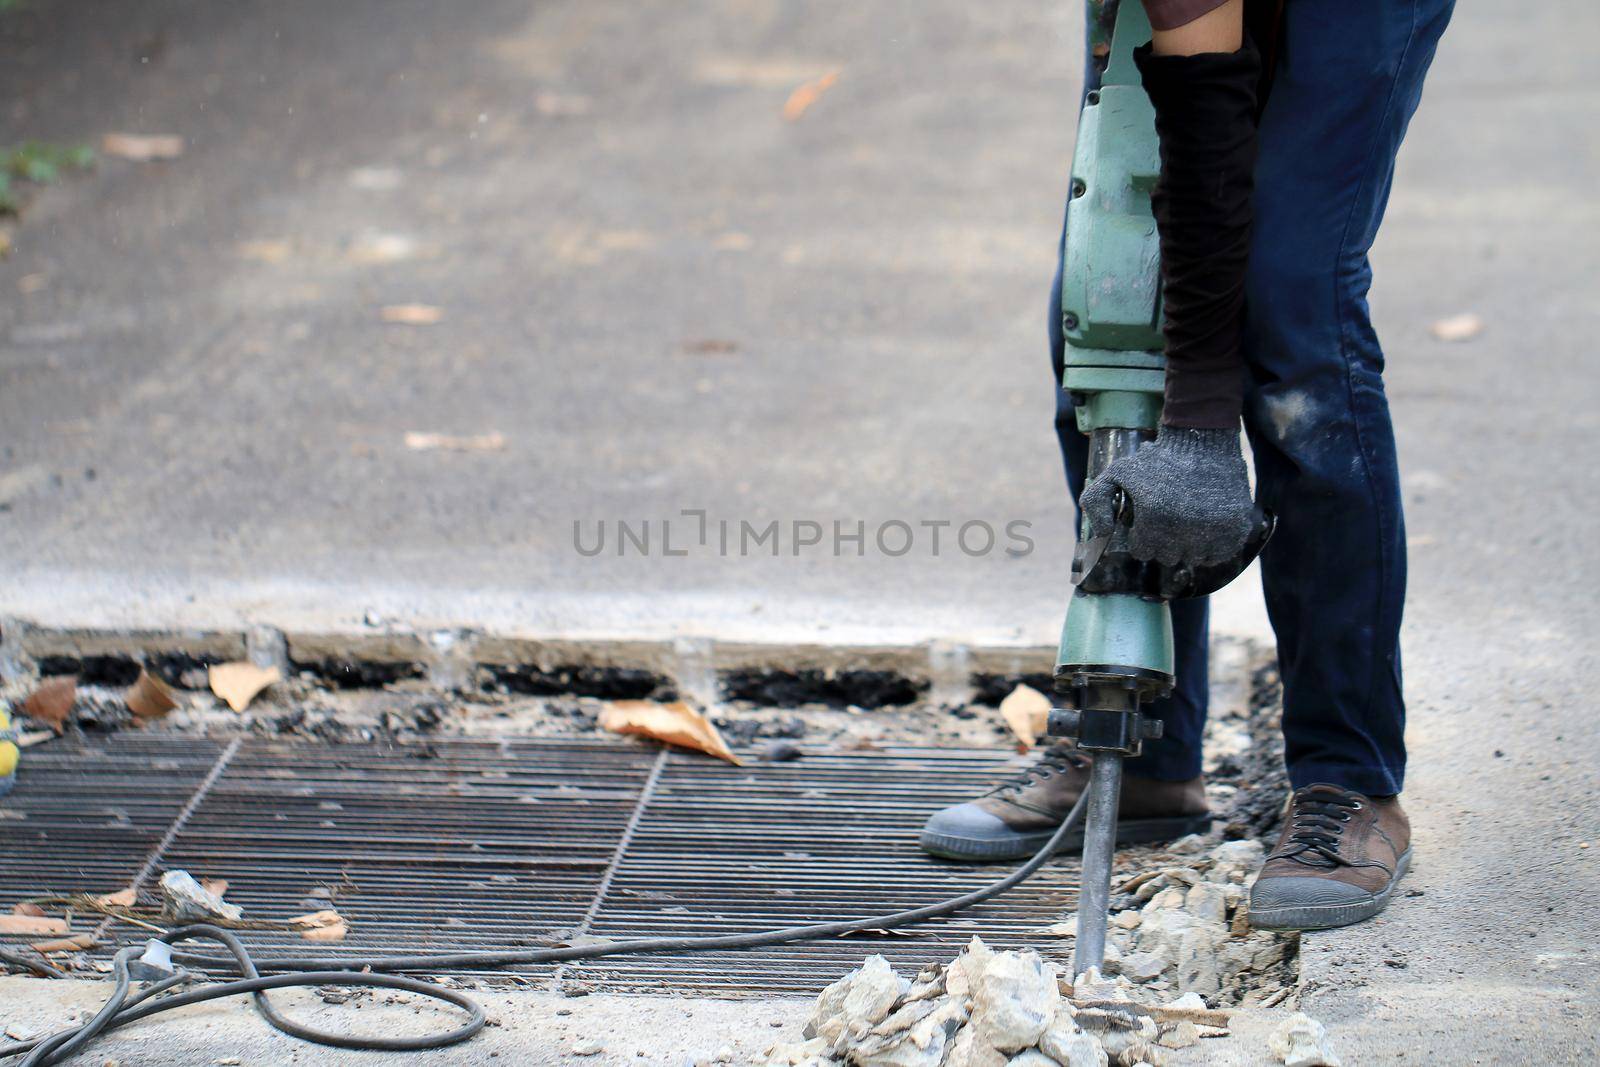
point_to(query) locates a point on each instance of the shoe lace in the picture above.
(1057, 759)
(1316, 828)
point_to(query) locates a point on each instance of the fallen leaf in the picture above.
(75, 943)
(238, 683)
(25, 908)
(149, 697)
(412, 314)
(334, 932)
(266, 251)
(217, 886)
(142, 148)
(1463, 327)
(31, 925)
(1026, 711)
(418, 441)
(807, 94)
(676, 724)
(122, 898)
(311, 920)
(52, 702)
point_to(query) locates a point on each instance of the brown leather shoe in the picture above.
(1337, 862)
(1015, 818)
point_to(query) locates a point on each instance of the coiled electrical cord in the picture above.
(124, 1007)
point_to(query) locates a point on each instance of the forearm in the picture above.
(1201, 77)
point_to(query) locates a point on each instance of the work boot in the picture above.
(1337, 862)
(1015, 818)
(9, 752)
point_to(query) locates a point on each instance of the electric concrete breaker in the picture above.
(1116, 644)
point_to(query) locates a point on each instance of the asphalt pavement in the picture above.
(775, 262)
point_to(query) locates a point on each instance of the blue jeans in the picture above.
(1348, 78)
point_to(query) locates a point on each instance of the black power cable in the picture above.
(122, 1008)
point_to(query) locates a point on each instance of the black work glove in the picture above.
(1189, 494)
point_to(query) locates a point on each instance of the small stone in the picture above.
(1168, 899)
(1179, 1035)
(781, 752)
(1069, 1045)
(924, 1044)
(1143, 966)
(1190, 1001)
(793, 1054)
(1198, 958)
(1188, 845)
(969, 1050)
(588, 1048)
(1031, 1058)
(185, 900)
(1207, 901)
(1127, 920)
(723, 1055)
(1301, 1041)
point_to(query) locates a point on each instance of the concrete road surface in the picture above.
(655, 293)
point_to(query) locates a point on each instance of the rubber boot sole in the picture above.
(1022, 846)
(1328, 916)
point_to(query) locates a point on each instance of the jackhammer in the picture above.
(1116, 644)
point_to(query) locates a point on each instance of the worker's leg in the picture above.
(1349, 75)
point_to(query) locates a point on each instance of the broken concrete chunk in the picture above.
(970, 1050)
(1188, 845)
(1143, 966)
(798, 1054)
(186, 900)
(1031, 1058)
(1207, 901)
(1069, 1045)
(1014, 1000)
(1179, 1035)
(1301, 1041)
(924, 1044)
(857, 1002)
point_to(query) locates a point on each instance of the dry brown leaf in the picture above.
(418, 441)
(311, 920)
(31, 925)
(807, 94)
(412, 314)
(75, 943)
(52, 702)
(676, 724)
(266, 251)
(1463, 327)
(25, 908)
(238, 683)
(122, 898)
(332, 932)
(142, 148)
(1026, 711)
(149, 697)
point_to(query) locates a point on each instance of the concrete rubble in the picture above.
(1179, 949)
(1015, 1009)
(1301, 1041)
(185, 900)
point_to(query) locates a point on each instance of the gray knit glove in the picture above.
(1189, 494)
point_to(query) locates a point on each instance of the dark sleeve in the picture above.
(1170, 14)
(1206, 121)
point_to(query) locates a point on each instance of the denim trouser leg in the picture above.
(1348, 79)
(1176, 757)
